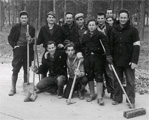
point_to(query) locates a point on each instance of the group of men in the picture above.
(95, 45)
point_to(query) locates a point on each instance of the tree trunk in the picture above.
(122, 4)
(65, 7)
(39, 14)
(1, 15)
(142, 19)
(89, 9)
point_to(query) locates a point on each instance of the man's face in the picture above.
(69, 19)
(23, 19)
(70, 52)
(51, 19)
(123, 18)
(101, 19)
(109, 13)
(51, 49)
(110, 21)
(92, 26)
(80, 21)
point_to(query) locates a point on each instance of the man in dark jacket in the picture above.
(106, 30)
(71, 31)
(55, 61)
(125, 48)
(94, 59)
(51, 32)
(80, 21)
(18, 38)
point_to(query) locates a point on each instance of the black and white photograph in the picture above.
(74, 59)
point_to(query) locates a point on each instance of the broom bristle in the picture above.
(134, 113)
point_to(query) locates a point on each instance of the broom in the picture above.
(130, 113)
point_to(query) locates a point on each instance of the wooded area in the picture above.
(37, 9)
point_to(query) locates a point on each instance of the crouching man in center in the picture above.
(55, 61)
(72, 64)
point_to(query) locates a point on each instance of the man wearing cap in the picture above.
(106, 30)
(71, 31)
(125, 49)
(17, 39)
(79, 18)
(51, 32)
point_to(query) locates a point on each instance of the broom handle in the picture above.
(34, 65)
(27, 56)
(37, 58)
(73, 84)
(121, 85)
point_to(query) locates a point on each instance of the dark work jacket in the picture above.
(123, 51)
(72, 34)
(14, 35)
(91, 44)
(56, 66)
(44, 36)
(108, 33)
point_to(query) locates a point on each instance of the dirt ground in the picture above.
(49, 107)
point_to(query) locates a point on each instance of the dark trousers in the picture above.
(20, 59)
(130, 84)
(79, 81)
(94, 67)
(52, 84)
(109, 77)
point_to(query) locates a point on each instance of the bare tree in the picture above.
(142, 18)
(0, 15)
(89, 9)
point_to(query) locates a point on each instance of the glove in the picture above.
(60, 45)
(79, 55)
(133, 65)
(34, 69)
(109, 59)
(77, 72)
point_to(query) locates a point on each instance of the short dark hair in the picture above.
(91, 20)
(101, 13)
(69, 13)
(110, 17)
(50, 43)
(71, 44)
(109, 9)
(124, 11)
(23, 13)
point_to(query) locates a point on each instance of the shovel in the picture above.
(27, 86)
(72, 88)
(32, 96)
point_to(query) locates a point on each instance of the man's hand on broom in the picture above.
(34, 69)
(29, 38)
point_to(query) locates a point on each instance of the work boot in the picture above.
(81, 92)
(92, 91)
(13, 88)
(99, 87)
